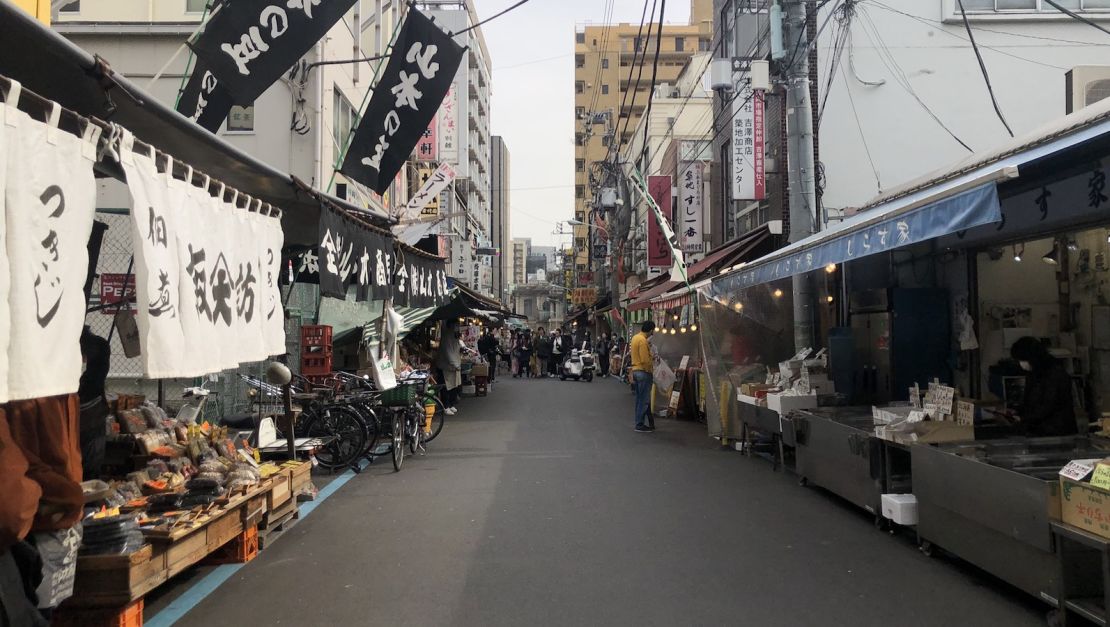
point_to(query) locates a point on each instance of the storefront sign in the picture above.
(112, 291)
(968, 209)
(352, 255)
(448, 129)
(748, 175)
(425, 202)
(416, 79)
(659, 253)
(204, 100)
(427, 148)
(689, 219)
(584, 296)
(249, 45)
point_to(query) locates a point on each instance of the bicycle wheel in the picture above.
(413, 429)
(348, 430)
(374, 429)
(398, 434)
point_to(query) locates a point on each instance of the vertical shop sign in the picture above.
(689, 220)
(659, 252)
(448, 130)
(748, 175)
(427, 148)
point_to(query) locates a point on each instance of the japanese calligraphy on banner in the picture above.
(204, 100)
(352, 255)
(425, 202)
(427, 148)
(690, 201)
(249, 45)
(659, 252)
(748, 169)
(448, 129)
(46, 179)
(206, 275)
(416, 79)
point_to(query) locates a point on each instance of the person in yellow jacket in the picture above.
(642, 368)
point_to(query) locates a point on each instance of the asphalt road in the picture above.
(539, 505)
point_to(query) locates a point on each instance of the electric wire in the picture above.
(983, 69)
(624, 96)
(489, 19)
(654, 73)
(859, 127)
(1076, 16)
(1079, 43)
(639, 74)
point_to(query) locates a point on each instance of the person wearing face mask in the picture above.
(1047, 408)
(449, 363)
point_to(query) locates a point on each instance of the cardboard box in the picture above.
(480, 370)
(753, 389)
(901, 508)
(1085, 506)
(783, 403)
(751, 400)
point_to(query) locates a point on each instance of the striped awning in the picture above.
(411, 317)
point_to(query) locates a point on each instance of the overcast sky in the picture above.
(532, 53)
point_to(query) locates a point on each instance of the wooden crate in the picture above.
(116, 580)
(281, 490)
(300, 476)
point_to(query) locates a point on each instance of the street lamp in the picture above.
(588, 225)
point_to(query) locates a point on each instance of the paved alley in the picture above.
(539, 505)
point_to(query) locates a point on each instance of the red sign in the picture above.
(758, 144)
(111, 291)
(427, 148)
(585, 278)
(659, 251)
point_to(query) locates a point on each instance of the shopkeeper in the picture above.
(96, 355)
(1047, 409)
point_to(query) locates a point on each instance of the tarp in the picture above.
(411, 318)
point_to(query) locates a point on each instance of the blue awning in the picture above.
(870, 233)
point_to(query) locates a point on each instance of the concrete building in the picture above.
(605, 57)
(522, 248)
(500, 238)
(473, 227)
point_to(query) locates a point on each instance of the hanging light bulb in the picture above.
(830, 268)
(674, 316)
(673, 331)
(694, 327)
(738, 306)
(1072, 244)
(778, 293)
(829, 299)
(682, 329)
(1052, 257)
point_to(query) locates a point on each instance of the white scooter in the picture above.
(580, 366)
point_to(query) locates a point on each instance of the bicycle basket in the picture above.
(400, 396)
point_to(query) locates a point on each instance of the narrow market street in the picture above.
(540, 505)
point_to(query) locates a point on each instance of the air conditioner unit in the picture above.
(1085, 85)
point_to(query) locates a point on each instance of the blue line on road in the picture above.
(208, 584)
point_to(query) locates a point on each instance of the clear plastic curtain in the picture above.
(741, 333)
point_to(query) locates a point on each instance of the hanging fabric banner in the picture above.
(5, 271)
(351, 254)
(249, 45)
(202, 354)
(436, 182)
(273, 322)
(416, 79)
(49, 203)
(659, 253)
(204, 100)
(155, 213)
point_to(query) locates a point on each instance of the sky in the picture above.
(532, 53)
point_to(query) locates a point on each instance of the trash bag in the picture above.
(664, 377)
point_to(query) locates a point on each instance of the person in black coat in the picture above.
(487, 346)
(1048, 407)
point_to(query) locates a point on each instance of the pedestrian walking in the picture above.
(642, 376)
(487, 346)
(517, 350)
(603, 349)
(526, 354)
(542, 346)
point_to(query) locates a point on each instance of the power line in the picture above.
(639, 75)
(1076, 16)
(654, 73)
(533, 62)
(983, 69)
(490, 19)
(935, 23)
(862, 138)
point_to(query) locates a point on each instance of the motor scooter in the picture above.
(579, 366)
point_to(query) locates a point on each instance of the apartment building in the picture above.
(500, 208)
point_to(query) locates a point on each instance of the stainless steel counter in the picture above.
(991, 503)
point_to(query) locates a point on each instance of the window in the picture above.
(579, 191)
(240, 119)
(580, 38)
(679, 44)
(195, 6)
(604, 90)
(72, 7)
(986, 6)
(579, 139)
(703, 45)
(344, 118)
(579, 165)
(579, 87)
(605, 140)
(579, 112)
(579, 61)
(605, 63)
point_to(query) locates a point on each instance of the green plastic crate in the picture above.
(400, 396)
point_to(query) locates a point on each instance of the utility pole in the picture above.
(799, 148)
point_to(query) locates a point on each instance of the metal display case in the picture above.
(992, 503)
(836, 449)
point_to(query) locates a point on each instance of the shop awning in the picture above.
(55, 68)
(411, 318)
(748, 246)
(960, 197)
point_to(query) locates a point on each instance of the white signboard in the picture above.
(436, 183)
(689, 216)
(748, 175)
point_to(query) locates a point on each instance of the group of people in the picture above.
(542, 354)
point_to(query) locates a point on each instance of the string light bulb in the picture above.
(778, 293)
(682, 329)
(830, 268)
(694, 327)
(673, 331)
(738, 306)
(829, 299)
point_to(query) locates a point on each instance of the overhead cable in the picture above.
(983, 69)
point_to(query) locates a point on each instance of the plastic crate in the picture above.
(316, 335)
(240, 550)
(400, 396)
(311, 366)
(130, 615)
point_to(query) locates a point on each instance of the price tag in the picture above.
(1101, 478)
(1078, 470)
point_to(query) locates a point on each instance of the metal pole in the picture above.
(799, 145)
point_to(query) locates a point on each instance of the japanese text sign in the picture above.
(748, 172)
(688, 220)
(659, 252)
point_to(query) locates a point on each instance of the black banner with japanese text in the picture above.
(352, 255)
(416, 79)
(204, 100)
(249, 45)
